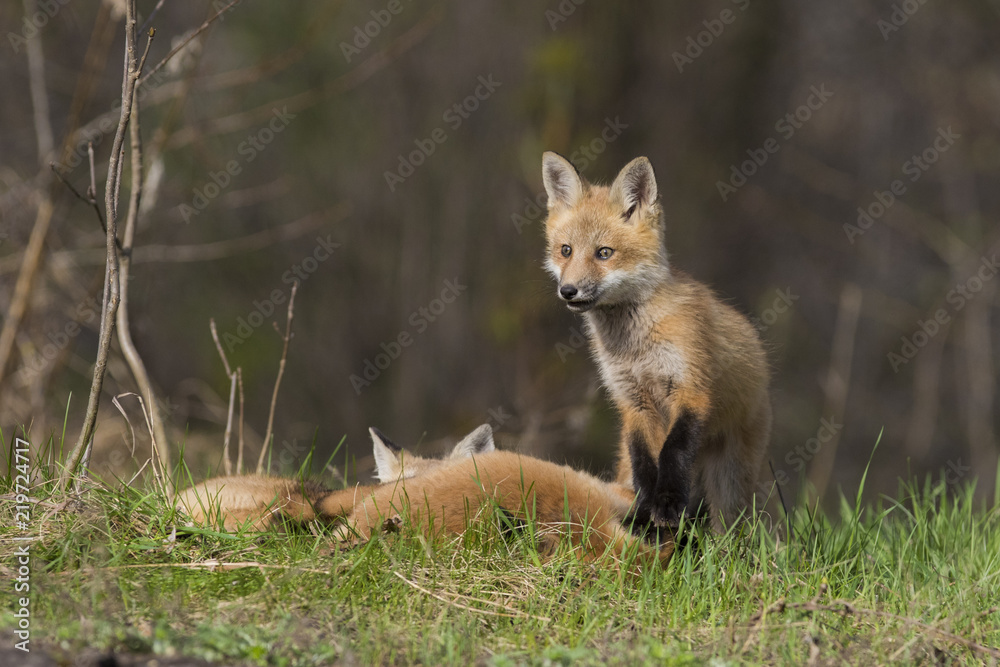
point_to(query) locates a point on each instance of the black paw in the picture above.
(667, 513)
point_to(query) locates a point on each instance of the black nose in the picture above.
(568, 292)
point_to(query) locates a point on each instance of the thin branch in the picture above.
(39, 95)
(152, 15)
(31, 258)
(88, 198)
(226, 462)
(157, 431)
(204, 252)
(277, 382)
(239, 456)
(218, 346)
(174, 51)
(92, 190)
(33, 253)
(111, 286)
(342, 84)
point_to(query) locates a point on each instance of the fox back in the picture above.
(563, 502)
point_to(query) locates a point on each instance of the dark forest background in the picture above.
(296, 111)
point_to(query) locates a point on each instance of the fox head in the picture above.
(392, 462)
(604, 244)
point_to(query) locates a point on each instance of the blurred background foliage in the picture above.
(697, 87)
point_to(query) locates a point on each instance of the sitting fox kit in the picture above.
(687, 372)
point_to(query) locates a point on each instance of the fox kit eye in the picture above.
(605, 253)
(566, 251)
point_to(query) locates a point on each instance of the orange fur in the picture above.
(261, 501)
(668, 349)
(562, 502)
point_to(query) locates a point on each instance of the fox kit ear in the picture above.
(562, 182)
(388, 457)
(635, 187)
(479, 441)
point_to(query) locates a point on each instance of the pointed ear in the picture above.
(635, 187)
(479, 441)
(562, 182)
(388, 457)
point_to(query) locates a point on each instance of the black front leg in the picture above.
(674, 470)
(643, 476)
(663, 486)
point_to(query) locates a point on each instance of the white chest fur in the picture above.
(638, 369)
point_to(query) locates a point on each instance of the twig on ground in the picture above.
(513, 613)
(213, 565)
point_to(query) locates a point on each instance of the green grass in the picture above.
(115, 570)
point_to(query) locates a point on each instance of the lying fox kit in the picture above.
(687, 372)
(262, 501)
(562, 501)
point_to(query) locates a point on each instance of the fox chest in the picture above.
(646, 381)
